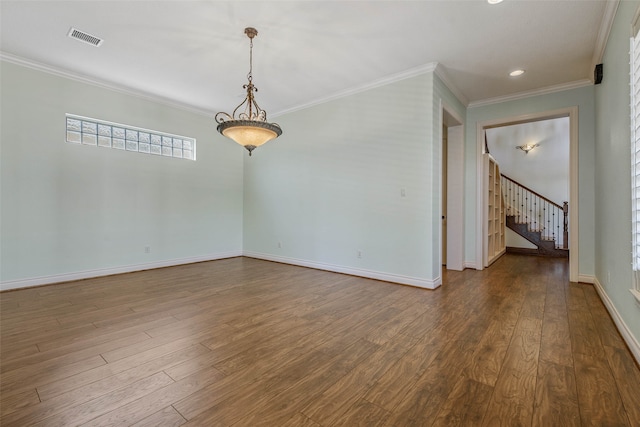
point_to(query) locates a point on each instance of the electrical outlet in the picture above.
(403, 192)
(359, 254)
(147, 249)
(608, 278)
(279, 245)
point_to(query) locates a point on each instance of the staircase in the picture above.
(537, 219)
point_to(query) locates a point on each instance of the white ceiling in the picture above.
(195, 53)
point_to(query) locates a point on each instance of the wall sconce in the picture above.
(527, 147)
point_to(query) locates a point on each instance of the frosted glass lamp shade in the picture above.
(249, 133)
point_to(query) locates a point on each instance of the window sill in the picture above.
(636, 294)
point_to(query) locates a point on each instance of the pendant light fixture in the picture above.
(248, 126)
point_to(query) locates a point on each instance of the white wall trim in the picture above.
(480, 207)
(441, 72)
(610, 9)
(88, 274)
(369, 274)
(626, 333)
(530, 93)
(455, 197)
(440, 239)
(412, 72)
(470, 264)
(28, 63)
(574, 181)
(587, 279)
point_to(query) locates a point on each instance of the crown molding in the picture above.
(611, 7)
(444, 76)
(434, 67)
(60, 72)
(412, 72)
(527, 94)
(38, 66)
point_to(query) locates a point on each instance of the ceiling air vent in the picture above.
(74, 33)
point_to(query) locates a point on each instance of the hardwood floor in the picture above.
(245, 342)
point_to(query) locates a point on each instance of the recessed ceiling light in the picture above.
(494, 1)
(516, 73)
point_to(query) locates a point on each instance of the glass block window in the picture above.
(87, 131)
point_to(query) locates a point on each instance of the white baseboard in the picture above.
(583, 278)
(369, 274)
(628, 337)
(470, 264)
(87, 274)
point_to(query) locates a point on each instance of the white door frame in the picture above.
(455, 193)
(572, 113)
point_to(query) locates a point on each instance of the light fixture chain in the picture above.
(250, 75)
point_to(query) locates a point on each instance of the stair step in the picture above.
(528, 224)
(546, 245)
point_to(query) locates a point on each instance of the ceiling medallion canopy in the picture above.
(248, 125)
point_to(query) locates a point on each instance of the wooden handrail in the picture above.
(531, 191)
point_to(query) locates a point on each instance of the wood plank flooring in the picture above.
(245, 342)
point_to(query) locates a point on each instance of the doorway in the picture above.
(452, 192)
(572, 114)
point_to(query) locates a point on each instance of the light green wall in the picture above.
(583, 98)
(68, 208)
(613, 172)
(330, 186)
